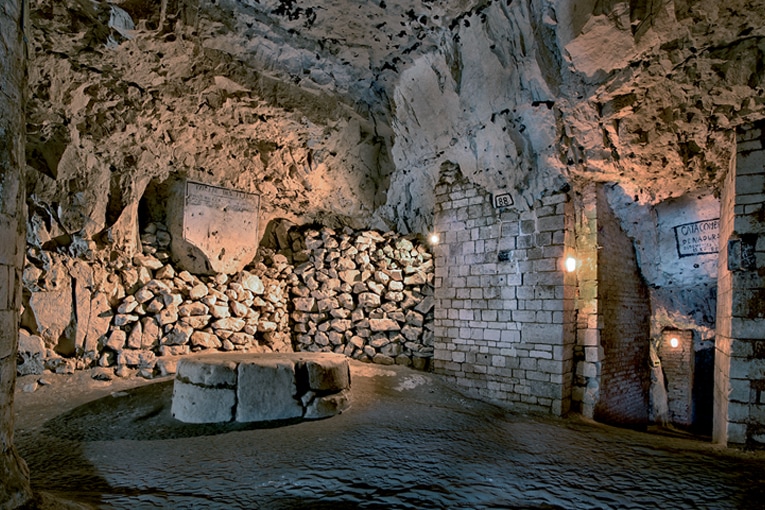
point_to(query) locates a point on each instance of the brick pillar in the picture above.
(740, 341)
(677, 358)
(14, 477)
(588, 353)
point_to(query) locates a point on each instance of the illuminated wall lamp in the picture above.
(674, 342)
(570, 264)
(434, 239)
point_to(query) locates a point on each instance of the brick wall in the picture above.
(677, 362)
(504, 315)
(611, 354)
(739, 415)
(623, 306)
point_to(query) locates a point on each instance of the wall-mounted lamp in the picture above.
(434, 239)
(674, 342)
(570, 264)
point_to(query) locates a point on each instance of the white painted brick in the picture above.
(542, 333)
(736, 433)
(587, 369)
(591, 337)
(533, 375)
(492, 334)
(592, 354)
(510, 336)
(554, 199)
(551, 367)
(740, 391)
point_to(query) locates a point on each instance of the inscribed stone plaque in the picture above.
(218, 231)
(698, 238)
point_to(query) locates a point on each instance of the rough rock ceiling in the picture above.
(343, 111)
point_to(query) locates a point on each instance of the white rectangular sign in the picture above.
(698, 238)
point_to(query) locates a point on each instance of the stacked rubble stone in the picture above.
(366, 295)
(171, 313)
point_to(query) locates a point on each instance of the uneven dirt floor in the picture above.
(409, 441)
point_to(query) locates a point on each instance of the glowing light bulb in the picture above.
(570, 264)
(434, 239)
(674, 342)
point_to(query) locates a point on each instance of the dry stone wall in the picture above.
(368, 296)
(365, 295)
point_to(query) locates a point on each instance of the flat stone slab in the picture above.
(214, 229)
(253, 387)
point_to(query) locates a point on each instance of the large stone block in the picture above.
(29, 344)
(542, 333)
(267, 391)
(200, 404)
(266, 387)
(212, 372)
(214, 230)
(328, 405)
(328, 372)
(52, 312)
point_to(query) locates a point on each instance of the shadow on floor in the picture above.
(139, 414)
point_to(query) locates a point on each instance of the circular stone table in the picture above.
(251, 387)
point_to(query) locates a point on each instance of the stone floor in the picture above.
(408, 442)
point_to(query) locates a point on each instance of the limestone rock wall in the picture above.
(521, 93)
(15, 490)
(282, 98)
(108, 121)
(137, 313)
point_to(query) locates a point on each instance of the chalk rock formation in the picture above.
(345, 116)
(15, 489)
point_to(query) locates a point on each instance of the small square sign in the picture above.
(503, 200)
